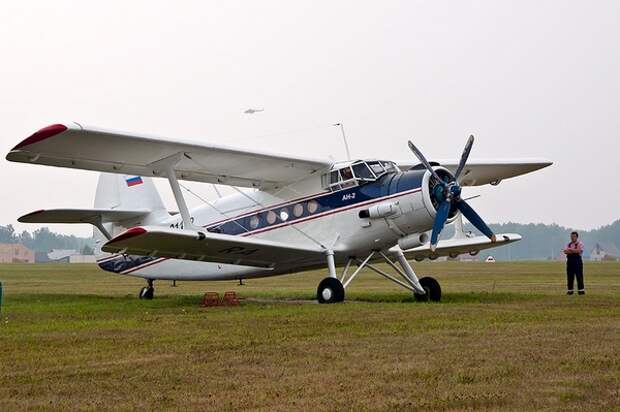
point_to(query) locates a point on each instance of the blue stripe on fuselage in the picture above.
(385, 186)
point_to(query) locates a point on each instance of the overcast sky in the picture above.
(528, 78)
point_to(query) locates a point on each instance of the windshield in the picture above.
(356, 173)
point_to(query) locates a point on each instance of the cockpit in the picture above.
(348, 174)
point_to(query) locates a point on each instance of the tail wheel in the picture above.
(432, 288)
(147, 292)
(330, 290)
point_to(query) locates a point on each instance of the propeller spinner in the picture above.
(448, 192)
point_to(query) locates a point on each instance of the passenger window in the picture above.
(313, 206)
(284, 215)
(298, 210)
(271, 217)
(254, 221)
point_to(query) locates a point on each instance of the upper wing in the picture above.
(92, 216)
(482, 172)
(75, 146)
(459, 246)
(205, 246)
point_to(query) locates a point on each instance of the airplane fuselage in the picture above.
(305, 214)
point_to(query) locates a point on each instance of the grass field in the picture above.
(505, 337)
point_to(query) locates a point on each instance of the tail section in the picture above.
(121, 202)
(127, 192)
(122, 192)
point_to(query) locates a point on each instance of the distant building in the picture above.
(605, 252)
(82, 259)
(64, 256)
(61, 255)
(15, 253)
(465, 257)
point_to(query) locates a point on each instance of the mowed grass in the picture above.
(505, 337)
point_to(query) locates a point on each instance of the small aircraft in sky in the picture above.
(288, 213)
(252, 111)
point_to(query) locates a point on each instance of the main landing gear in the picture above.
(432, 289)
(147, 292)
(332, 288)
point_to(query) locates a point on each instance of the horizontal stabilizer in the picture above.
(92, 216)
(459, 246)
(187, 244)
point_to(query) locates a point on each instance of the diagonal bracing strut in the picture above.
(411, 281)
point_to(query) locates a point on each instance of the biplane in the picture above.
(287, 213)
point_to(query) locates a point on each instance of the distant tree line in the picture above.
(542, 241)
(44, 240)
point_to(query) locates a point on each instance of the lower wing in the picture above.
(459, 246)
(205, 246)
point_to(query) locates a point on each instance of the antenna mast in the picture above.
(344, 138)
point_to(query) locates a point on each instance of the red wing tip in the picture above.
(129, 233)
(42, 134)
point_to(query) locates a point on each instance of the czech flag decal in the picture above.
(133, 181)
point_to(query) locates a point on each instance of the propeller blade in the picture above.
(440, 220)
(425, 162)
(475, 219)
(464, 157)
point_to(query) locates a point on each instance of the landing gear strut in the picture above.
(331, 289)
(147, 292)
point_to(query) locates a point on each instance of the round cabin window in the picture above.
(271, 217)
(284, 215)
(313, 206)
(298, 210)
(254, 221)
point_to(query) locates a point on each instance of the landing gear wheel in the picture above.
(432, 288)
(147, 292)
(330, 290)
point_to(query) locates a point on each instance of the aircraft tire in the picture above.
(147, 292)
(432, 288)
(330, 290)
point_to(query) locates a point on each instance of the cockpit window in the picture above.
(389, 166)
(356, 173)
(376, 168)
(346, 173)
(362, 171)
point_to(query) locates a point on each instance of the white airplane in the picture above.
(293, 213)
(252, 111)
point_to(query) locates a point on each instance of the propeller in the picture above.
(448, 194)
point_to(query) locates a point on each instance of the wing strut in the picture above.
(166, 166)
(178, 196)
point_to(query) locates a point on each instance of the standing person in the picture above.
(574, 264)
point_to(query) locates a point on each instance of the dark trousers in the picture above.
(574, 268)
